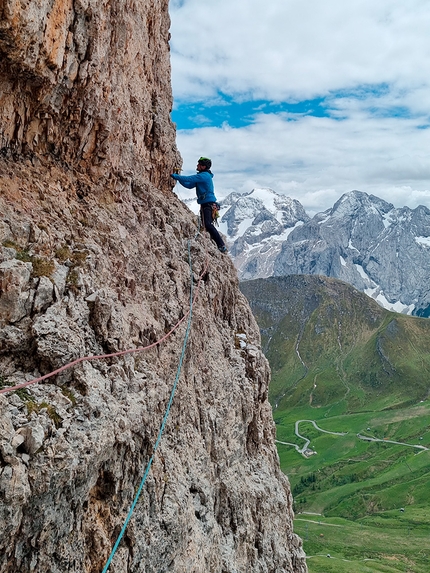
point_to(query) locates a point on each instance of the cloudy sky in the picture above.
(311, 98)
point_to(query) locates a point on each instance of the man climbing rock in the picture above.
(204, 186)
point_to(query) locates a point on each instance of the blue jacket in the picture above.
(203, 183)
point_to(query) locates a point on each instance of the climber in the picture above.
(203, 183)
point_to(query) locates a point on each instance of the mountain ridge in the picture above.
(324, 338)
(363, 240)
(350, 394)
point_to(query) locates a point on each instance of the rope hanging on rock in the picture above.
(114, 354)
(166, 415)
(188, 315)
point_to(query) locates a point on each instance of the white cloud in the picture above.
(315, 160)
(294, 49)
(369, 59)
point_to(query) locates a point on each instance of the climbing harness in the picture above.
(215, 213)
(215, 207)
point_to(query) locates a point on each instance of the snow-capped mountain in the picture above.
(256, 225)
(363, 240)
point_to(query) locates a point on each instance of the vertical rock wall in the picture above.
(94, 259)
(88, 82)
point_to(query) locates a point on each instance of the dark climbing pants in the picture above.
(206, 212)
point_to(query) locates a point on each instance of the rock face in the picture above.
(94, 259)
(88, 82)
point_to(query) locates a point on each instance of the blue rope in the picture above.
(160, 432)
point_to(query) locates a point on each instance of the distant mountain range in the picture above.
(363, 240)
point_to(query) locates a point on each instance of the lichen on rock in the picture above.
(94, 260)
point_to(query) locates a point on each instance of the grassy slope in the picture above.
(339, 359)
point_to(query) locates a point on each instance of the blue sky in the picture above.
(188, 115)
(312, 99)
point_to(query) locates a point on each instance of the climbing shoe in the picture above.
(222, 249)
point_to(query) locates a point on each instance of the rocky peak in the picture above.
(366, 242)
(94, 260)
(252, 219)
(238, 208)
(362, 240)
(355, 219)
(358, 203)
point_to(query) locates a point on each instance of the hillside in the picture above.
(98, 257)
(352, 410)
(327, 342)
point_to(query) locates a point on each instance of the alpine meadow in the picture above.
(349, 390)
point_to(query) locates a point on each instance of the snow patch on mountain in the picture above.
(378, 295)
(256, 225)
(423, 241)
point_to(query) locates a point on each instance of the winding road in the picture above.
(304, 448)
(369, 439)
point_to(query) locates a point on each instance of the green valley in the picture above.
(353, 379)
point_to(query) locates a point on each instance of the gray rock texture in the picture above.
(94, 260)
(256, 225)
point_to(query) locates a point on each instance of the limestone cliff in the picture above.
(94, 259)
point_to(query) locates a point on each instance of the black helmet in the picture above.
(206, 162)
